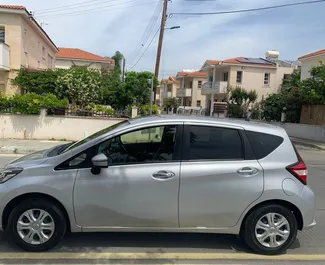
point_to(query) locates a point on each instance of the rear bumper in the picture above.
(308, 207)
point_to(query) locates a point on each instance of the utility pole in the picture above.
(161, 37)
(151, 94)
(123, 70)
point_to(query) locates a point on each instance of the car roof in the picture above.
(245, 124)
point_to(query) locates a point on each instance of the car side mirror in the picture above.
(99, 161)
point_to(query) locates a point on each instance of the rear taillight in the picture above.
(299, 170)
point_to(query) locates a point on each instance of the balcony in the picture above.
(4, 57)
(183, 92)
(216, 87)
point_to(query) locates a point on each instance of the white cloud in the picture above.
(293, 31)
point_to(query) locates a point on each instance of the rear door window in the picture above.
(263, 144)
(213, 143)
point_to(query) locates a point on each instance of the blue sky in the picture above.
(113, 25)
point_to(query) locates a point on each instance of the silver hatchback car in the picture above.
(162, 174)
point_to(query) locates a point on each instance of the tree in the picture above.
(140, 85)
(80, 85)
(241, 101)
(313, 88)
(170, 103)
(289, 100)
(118, 57)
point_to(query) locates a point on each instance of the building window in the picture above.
(43, 52)
(286, 76)
(2, 35)
(199, 84)
(198, 103)
(49, 61)
(225, 77)
(191, 84)
(266, 79)
(239, 77)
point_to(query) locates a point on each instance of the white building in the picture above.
(67, 57)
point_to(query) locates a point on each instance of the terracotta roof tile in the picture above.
(13, 7)
(170, 79)
(320, 52)
(75, 53)
(195, 74)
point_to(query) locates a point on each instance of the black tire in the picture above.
(248, 229)
(37, 203)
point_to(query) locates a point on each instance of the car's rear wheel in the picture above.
(36, 225)
(270, 229)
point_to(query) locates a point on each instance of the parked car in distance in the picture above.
(162, 174)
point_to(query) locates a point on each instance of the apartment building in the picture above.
(67, 57)
(167, 89)
(23, 44)
(310, 60)
(190, 87)
(265, 75)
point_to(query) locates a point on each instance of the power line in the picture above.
(76, 6)
(60, 7)
(145, 49)
(146, 34)
(246, 10)
(93, 10)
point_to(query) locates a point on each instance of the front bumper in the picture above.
(311, 225)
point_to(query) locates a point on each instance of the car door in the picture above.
(140, 186)
(219, 176)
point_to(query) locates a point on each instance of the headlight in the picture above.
(8, 173)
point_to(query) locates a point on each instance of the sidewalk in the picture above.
(12, 146)
(308, 143)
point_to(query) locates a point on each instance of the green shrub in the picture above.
(4, 102)
(109, 112)
(144, 110)
(32, 103)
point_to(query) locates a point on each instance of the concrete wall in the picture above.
(253, 79)
(307, 64)
(305, 131)
(48, 127)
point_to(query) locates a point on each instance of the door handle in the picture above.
(163, 175)
(247, 171)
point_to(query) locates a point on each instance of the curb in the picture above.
(297, 142)
(17, 151)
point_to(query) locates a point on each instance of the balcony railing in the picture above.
(183, 92)
(4, 57)
(214, 87)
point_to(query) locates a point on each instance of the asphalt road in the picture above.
(154, 248)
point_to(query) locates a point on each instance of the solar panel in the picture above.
(254, 60)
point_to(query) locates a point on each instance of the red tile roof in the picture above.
(320, 52)
(74, 53)
(170, 79)
(13, 7)
(195, 74)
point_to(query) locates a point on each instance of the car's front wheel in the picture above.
(270, 229)
(36, 224)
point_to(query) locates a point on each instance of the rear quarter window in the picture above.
(263, 144)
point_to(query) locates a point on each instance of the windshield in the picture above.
(95, 135)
